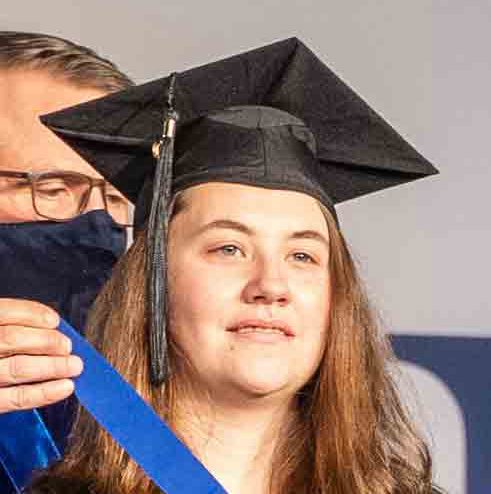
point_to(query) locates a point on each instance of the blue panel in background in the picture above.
(464, 364)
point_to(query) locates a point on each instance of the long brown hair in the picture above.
(354, 436)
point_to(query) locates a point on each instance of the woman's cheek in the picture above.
(311, 288)
(200, 291)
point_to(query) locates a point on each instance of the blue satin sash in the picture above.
(25, 445)
(131, 422)
(135, 426)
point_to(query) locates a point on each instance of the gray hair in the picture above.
(75, 63)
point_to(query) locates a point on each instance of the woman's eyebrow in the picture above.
(240, 227)
(312, 235)
(226, 224)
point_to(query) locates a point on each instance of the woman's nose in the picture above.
(268, 284)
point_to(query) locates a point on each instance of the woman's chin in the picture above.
(261, 379)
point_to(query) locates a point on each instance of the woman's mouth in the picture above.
(262, 330)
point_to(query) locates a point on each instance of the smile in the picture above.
(256, 329)
(262, 327)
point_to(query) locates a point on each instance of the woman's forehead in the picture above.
(254, 206)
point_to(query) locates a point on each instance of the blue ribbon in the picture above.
(119, 409)
(25, 445)
(135, 426)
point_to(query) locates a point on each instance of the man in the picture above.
(46, 189)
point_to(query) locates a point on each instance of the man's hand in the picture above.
(35, 361)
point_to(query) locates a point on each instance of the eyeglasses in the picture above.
(62, 196)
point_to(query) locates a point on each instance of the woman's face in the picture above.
(249, 287)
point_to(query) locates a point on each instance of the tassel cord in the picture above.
(157, 236)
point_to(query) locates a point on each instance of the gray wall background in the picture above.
(424, 65)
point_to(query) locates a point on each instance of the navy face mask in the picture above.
(63, 265)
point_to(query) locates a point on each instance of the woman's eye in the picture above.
(228, 250)
(303, 257)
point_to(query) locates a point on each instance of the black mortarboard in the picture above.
(273, 117)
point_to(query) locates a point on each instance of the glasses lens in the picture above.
(15, 199)
(117, 206)
(60, 196)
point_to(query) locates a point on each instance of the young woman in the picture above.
(278, 376)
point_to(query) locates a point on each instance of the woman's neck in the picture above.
(236, 442)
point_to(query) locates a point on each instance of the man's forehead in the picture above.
(25, 144)
(25, 93)
(39, 150)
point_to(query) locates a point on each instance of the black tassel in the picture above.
(157, 234)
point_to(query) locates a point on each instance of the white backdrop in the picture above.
(424, 65)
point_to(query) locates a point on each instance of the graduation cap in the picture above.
(275, 117)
